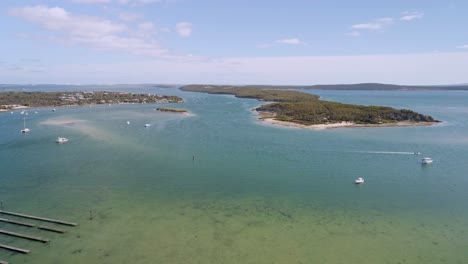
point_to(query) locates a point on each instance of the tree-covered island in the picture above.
(12, 100)
(308, 109)
(172, 110)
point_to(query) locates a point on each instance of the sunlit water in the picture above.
(219, 187)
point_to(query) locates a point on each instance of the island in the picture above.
(15, 100)
(297, 109)
(172, 110)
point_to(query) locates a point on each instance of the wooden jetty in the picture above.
(39, 218)
(16, 223)
(49, 228)
(20, 250)
(40, 239)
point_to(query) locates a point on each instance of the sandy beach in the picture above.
(269, 118)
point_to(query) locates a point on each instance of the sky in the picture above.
(294, 42)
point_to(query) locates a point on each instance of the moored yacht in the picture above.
(359, 180)
(25, 129)
(61, 140)
(426, 161)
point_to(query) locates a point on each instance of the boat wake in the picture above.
(389, 152)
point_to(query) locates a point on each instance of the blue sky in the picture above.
(236, 42)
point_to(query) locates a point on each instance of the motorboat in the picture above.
(147, 125)
(417, 153)
(128, 122)
(359, 180)
(53, 110)
(61, 140)
(426, 161)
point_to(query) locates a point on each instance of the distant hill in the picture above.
(362, 86)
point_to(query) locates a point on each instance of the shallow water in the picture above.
(220, 187)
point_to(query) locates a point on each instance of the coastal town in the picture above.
(17, 100)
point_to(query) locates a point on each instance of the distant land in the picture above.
(293, 108)
(362, 86)
(14, 100)
(358, 86)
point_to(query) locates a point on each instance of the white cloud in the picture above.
(290, 41)
(353, 34)
(367, 26)
(91, 1)
(146, 26)
(149, 1)
(463, 47)
(385, 20)
(130, 17)
(184, 29)
(115, 1)
(90, 31)
(411, 15)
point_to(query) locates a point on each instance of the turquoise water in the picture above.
(253, 193)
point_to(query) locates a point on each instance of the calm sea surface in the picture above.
(220, 187)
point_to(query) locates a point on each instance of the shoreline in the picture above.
(269, 118)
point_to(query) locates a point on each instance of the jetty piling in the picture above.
(16, 222)
(20, 250)
(39, 218)
(34, 238)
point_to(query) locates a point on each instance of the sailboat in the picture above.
(25, 129)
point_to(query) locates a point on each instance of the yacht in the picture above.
(61, 140)
(25, 129)
(147, 125)
(359, 180)
(426, 161)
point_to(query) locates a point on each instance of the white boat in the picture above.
(25, 129)
(53, 110)
(128, 122)
(61, 140)
(36, 112)
(22, 112)
(359, 180)
(426, 161)
(147, 125)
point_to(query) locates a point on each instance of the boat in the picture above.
(25, 129)
(61, 140)
(22, 112)
(147, 125)
(36, 112)
(53, 110)
(128, 122)
(417, 153)
(359, 180)
(426, 161)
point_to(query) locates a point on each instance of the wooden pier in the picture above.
(39, 218)
(16, 223)
(49, 228)
(20, 250)
(40, 239)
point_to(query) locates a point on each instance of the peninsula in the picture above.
(13, 100)
(292, 108)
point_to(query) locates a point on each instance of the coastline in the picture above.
(269, 118)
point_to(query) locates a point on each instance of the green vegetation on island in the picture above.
(11, 100)
(308, 109)
(172, 110)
